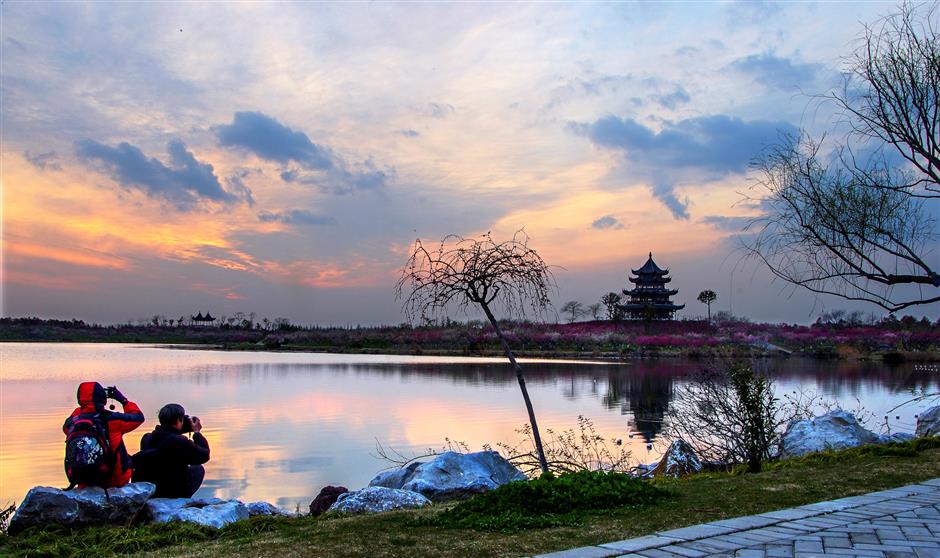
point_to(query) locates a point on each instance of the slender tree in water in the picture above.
(462, 272)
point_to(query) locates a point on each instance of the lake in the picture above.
(283, 425)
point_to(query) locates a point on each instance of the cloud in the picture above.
(671, 100)
(43, 161)
(774, 72)
(236, 185)
(185, 182)
(709, 147)
(341, 180)
(295, 217)
(409, 133)
(607, 222)
(726, 223)
(319, 165)
(269, 139)
(439, 110)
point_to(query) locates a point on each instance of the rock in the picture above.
(375, 499)
(212, 512)
(265, 508)
(162, 510)
(216, 515)
(81, 506)
(326, 498)
(928, 422)
(452, 475)
(836, 429)
(679, 460)
(897, 437)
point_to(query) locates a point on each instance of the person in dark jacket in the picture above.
(92, 398)
(169, 459)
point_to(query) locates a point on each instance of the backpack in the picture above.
(89, 458)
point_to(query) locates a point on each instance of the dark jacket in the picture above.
(167, 465)
(91, 399)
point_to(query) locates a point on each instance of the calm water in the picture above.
(283, 425)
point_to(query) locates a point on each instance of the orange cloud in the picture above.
(77, 256)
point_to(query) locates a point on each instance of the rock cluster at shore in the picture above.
(45, 505)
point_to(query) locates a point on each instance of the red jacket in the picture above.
(92, 398)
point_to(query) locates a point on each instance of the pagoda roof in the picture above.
(198, 317)
(650, 268)
(647, 280)
(654, 306)
(644, 292)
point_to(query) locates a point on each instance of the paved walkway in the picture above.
(898, 523)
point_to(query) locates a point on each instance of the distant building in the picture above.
(649, 299)
(199, 319)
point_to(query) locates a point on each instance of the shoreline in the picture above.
(888, 341)
(724, 352)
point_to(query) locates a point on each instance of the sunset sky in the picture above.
(280, 158)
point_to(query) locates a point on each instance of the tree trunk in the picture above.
(709, 305)
(525, 393)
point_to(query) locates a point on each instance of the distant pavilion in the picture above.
(206, 320)
(649, 299)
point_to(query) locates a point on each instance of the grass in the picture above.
(695, 499)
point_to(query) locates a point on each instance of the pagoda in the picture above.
(649, 299)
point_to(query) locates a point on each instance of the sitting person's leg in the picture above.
(196, 474)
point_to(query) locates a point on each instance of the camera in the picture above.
(188, 423)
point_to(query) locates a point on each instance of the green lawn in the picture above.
(692, 500)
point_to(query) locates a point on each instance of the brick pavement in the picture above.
(897, 523)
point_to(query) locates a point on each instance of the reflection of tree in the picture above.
(644, 393)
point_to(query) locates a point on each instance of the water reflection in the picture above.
(282, 425)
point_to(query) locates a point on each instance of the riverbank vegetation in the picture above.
(690, 500)
(838, 336)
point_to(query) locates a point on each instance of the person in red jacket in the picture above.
(92, 398)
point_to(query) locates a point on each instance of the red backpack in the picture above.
(89, 459)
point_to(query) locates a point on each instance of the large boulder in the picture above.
(211, 512)
(928, 422)
(836, 429)
(44, 505)
(375, 499)
(326, 498)
(452, 475)
(679, 460)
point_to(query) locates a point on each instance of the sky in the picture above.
(281, 158)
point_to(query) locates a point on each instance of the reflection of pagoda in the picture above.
(645, 395)
(649, 299)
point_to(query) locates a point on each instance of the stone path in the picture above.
(898, 523)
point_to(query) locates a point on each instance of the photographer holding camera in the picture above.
(94, 437)
(169, 459)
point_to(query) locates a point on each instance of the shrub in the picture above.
(551, 501)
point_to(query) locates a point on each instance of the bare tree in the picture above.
(706, 297)
(612, 301)
(595, 310)
(852, 223)
(729, 415)
(465, 272)
(574, 309)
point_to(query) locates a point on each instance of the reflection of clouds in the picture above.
(296, 464)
